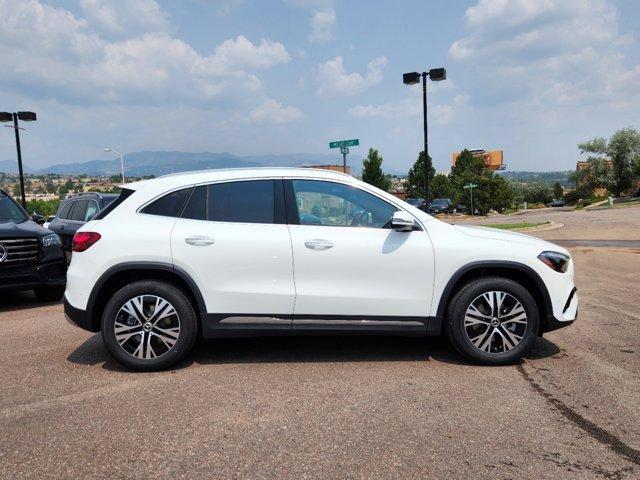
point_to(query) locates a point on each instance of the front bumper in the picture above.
(569, 314)
(26, 277)
(78, 317)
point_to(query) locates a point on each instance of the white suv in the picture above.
(301, 251)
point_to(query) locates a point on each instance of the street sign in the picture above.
(344, 143)
(470, 185)
(344, 150)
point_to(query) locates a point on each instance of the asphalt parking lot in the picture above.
(342, 407)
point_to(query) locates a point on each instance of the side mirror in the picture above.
(39, 219)
(402, 221)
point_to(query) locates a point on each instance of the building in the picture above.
(493, 159)
(334, 168)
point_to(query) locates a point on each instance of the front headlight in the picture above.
(555, 260)
(52, 240)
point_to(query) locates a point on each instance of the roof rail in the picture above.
(232, 169)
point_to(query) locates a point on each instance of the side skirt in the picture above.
(240, 325)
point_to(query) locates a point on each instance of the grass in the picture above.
(515, 226)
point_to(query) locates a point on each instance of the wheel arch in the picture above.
(123, 274)
(518, 272)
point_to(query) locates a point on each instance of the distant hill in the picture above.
(548, 178)
(11, 166)
(144, 163)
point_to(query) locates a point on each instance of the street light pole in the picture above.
(16, 129)
(426, 141)
(411, 78)
(25, 117)
(109, 149)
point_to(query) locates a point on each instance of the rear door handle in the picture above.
(199, 241)
(318, 244)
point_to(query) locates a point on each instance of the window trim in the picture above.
(293, 215)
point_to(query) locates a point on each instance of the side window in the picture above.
(196, 208)
(249, 201)
(63, 214)
(92, 209)
(169, 205)
(334, 204)
(79, 211)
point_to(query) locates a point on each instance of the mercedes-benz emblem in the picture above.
(3, 253)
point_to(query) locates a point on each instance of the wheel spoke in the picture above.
(474, 312)
(483, 341)
(135, 308)
(521, 318)
(490, 301)
(509, 335)
(470, 320)
(162, 310)
(123, 337)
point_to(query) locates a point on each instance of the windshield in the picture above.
(10, 211)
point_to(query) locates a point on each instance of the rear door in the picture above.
(64, 225)
(233, 241)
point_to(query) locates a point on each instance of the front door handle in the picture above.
(199, 241)
(318, 244)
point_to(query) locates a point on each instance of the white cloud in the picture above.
(412, 107)
(333, 79)
(548, 53)
(273, 112)
(118, 18)
(54, 54)
(322, 25)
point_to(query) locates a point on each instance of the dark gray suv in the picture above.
(77, 210)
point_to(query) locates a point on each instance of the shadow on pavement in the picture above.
(306, 349)
(10, 301)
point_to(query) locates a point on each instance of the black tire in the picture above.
(49, 294)
(460, 335)
(186, 320)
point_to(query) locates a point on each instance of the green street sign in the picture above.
(344, 143)
(344, 150)
(470, 185)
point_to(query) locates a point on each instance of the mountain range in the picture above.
(139, 164)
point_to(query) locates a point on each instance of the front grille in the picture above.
(20, 251)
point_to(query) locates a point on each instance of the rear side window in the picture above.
(244, 202)
(79, 211)
(124, 194)
(196, 208)
(92, 209)
(169, 205)
(63, 214)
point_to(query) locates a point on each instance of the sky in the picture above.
(531, 77)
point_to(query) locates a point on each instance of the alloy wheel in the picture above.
(495, 322)
(147, 326)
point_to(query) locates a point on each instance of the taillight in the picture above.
(83, 240)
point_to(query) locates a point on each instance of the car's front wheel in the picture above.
(493, 320)
(149, 325)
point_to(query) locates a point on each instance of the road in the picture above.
(339, 407)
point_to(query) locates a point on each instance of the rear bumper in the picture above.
(78, 317)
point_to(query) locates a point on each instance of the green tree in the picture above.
(415, 179)
(596, 174)
(441, 186)
(493, 192)
(623, 148)
(372, 171)
(558, 191)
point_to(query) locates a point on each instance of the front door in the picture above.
(353, 272)
(232, 240)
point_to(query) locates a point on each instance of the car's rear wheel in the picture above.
(493, 321)
(149, 325)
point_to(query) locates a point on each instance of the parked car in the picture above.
(415, 202)
(31, 257)
(75, 211)
(557, 202)
(234, 252)
(441, 205)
